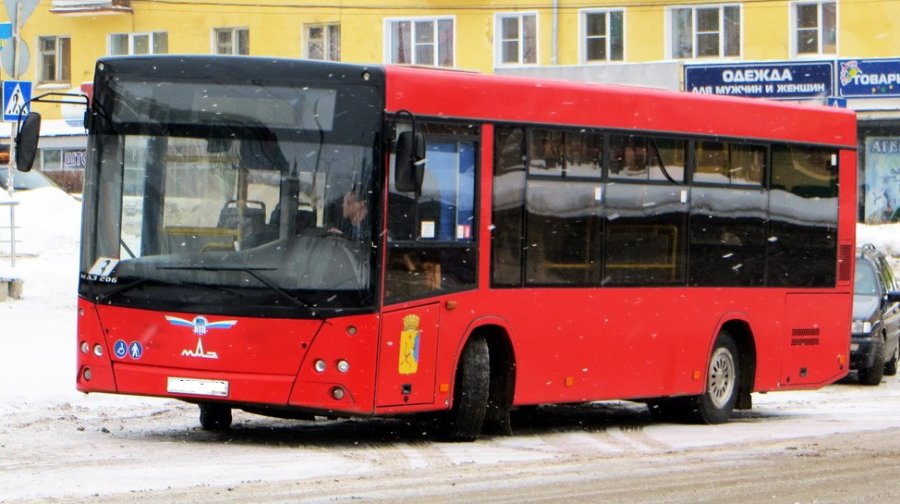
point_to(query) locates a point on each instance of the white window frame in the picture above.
(795, 20)
(583, 35)
(723, 39)
(436, 53)
(499, 40)
(62, 63)
(151, 39)
(330, 54)
(234, 46)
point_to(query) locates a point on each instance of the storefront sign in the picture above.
(74, 159)
(874, 78)
(882, 198)
(788, 81)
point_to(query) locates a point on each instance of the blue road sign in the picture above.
(15, 96)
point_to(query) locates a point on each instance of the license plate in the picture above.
(192, 386)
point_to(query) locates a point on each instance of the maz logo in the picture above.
(200, 325)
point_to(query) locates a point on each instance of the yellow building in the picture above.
(813, 51)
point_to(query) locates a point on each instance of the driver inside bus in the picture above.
(354, 215)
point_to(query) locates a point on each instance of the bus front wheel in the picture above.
(215, 417)
(470, 396)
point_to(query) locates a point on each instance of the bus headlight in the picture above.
(343, 366)
(319, 366)
(98, 350)
(85, 347)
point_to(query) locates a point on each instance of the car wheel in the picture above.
(890, 367)
(873, 375)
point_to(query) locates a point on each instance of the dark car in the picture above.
(875, 339)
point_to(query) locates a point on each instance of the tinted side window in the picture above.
(728, 215)
(645, 209)
(803, 210)
(508, 207)
(564, 229)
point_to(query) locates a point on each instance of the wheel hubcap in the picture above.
(721, 378)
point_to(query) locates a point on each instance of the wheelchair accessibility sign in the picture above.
(16, 94)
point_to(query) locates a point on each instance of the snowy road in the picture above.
(117, 449)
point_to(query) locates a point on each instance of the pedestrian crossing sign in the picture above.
(16, 95)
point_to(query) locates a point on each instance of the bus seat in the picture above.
(248, 220)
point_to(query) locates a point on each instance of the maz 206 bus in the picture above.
(298, 238)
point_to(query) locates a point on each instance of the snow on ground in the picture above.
(37, 332)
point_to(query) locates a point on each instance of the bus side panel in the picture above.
(622, 343)
(817, 344)
(592, 344)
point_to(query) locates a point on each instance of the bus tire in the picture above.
(470, 395)
(874, 374)
(722, 383)
(716, 403)
(215, 417)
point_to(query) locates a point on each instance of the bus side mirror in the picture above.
(409, 169)
(27, 141)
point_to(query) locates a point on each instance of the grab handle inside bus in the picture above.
(409, 169)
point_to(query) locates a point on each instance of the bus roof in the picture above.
(430, 92)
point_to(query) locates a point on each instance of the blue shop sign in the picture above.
(787, 81)
(872, 78)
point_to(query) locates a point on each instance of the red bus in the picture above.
(297, 238)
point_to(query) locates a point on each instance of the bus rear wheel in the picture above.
(722, 378)
(717, 402)
(470, 396)
(215, 417)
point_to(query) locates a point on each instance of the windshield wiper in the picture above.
(250, 271)
(120, 289)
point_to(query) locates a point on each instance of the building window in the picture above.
(232, 41)
(603, 36)
(516, 41)
(138, 43)
(816, 28)
(421, 41)
(323, 42)
(706, 32)
(56, 59)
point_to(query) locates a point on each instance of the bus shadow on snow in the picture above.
(594, 417)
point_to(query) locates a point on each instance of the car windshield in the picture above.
(866, 283)
(24, 181)
(243, 199)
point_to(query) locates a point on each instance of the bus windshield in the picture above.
(240, 199)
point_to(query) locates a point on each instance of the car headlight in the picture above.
(861, 327)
